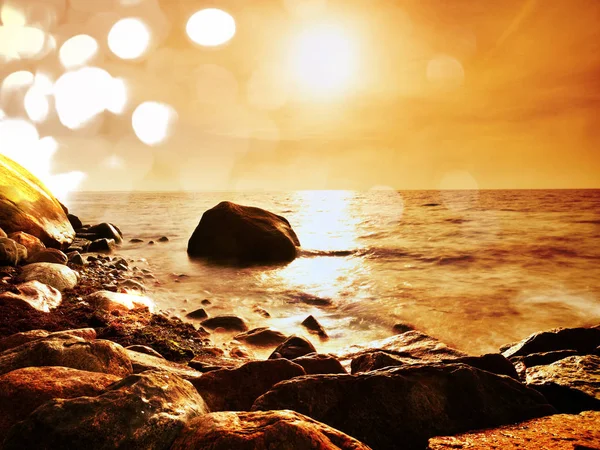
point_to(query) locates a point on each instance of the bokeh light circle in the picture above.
(152, 122)
(211, 27)
(129, 38)
(78, 51)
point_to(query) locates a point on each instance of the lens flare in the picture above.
(12, 17)
(83, 94)
(129, 38)
(152, 122)
(211, 27)
(22, 43)
(78, 51)
(36, 104)
(16, 80)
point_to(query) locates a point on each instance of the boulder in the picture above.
(261, 337)
(58, 276)
(314, 364)
(132, 286)
(68, 351)
(262, 431)
(108, 301)
(76, 258)
(571, 384)
(493, 362)
(163, 239)
(2, 233)
(401, 327)
(136, 241)
(214, 358)
(409, 404)
(74, 221)
(37, 295)
(9, 254)
(229, 323)
(558, 432)
(413, 344)
(80, 245)
(23, 390)
(293, 347)
(106, 231)
(582, 340)
(312, 325)
(14, 340)
(237, 389)
(27, 205)
(50, 255)
(144, 349)
(198, 314)
(243, 234)
(144, 361)
(142, 411)
(31, 243)
(102, 246)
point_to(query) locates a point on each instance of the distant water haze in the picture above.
(477, 269)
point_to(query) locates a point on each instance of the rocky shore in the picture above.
(86, 360)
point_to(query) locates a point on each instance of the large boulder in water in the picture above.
(243, 234)
(27, 205)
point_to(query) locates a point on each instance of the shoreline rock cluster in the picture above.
(86, 362)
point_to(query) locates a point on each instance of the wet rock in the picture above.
(132, 286)
(205, 302)
(408, 404)
(142, 411)
(314, 364)
(262, 431)
(163, 239)
(76, 258)
(136, 241)
(50, 255)
(582, 340)
(198, 314)
(312, 325)
(571, 384)
(2, 233)
(229, 323)
(68, 351)
(27, 205)
(558, 432)
(412, 344)
(308, 299)
(261, 337)
(14, 340)
(80, 245)
(144, 349)
(106, 231)
(261, 312)
(237, 389)
(24, 390)
(9, 255)
(108, 301)
(400, 328)
(292, 348)
(143, 361)
(31, 243)
(58, 276)
(37, 295)
(243, 234)
(102, 245)
(214, 358)
(493, 362)
(74, 221)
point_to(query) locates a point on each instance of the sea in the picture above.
(476, 269)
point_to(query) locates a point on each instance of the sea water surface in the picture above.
(477, 269)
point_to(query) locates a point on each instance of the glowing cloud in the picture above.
(152, 122)
(129, 38)
(211, 27)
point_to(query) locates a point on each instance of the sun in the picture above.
(323, 60)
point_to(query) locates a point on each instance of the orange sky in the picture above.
(442, 94)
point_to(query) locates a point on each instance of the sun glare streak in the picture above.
(78, 51)
(129, 38)
(211, 27)
(323, 60)
(152, 122)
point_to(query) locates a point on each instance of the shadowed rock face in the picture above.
(243, 235)
(145, 411)
(582, 340)
(408, 405)
(27, 205)
(558, 432)
(262, 430)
